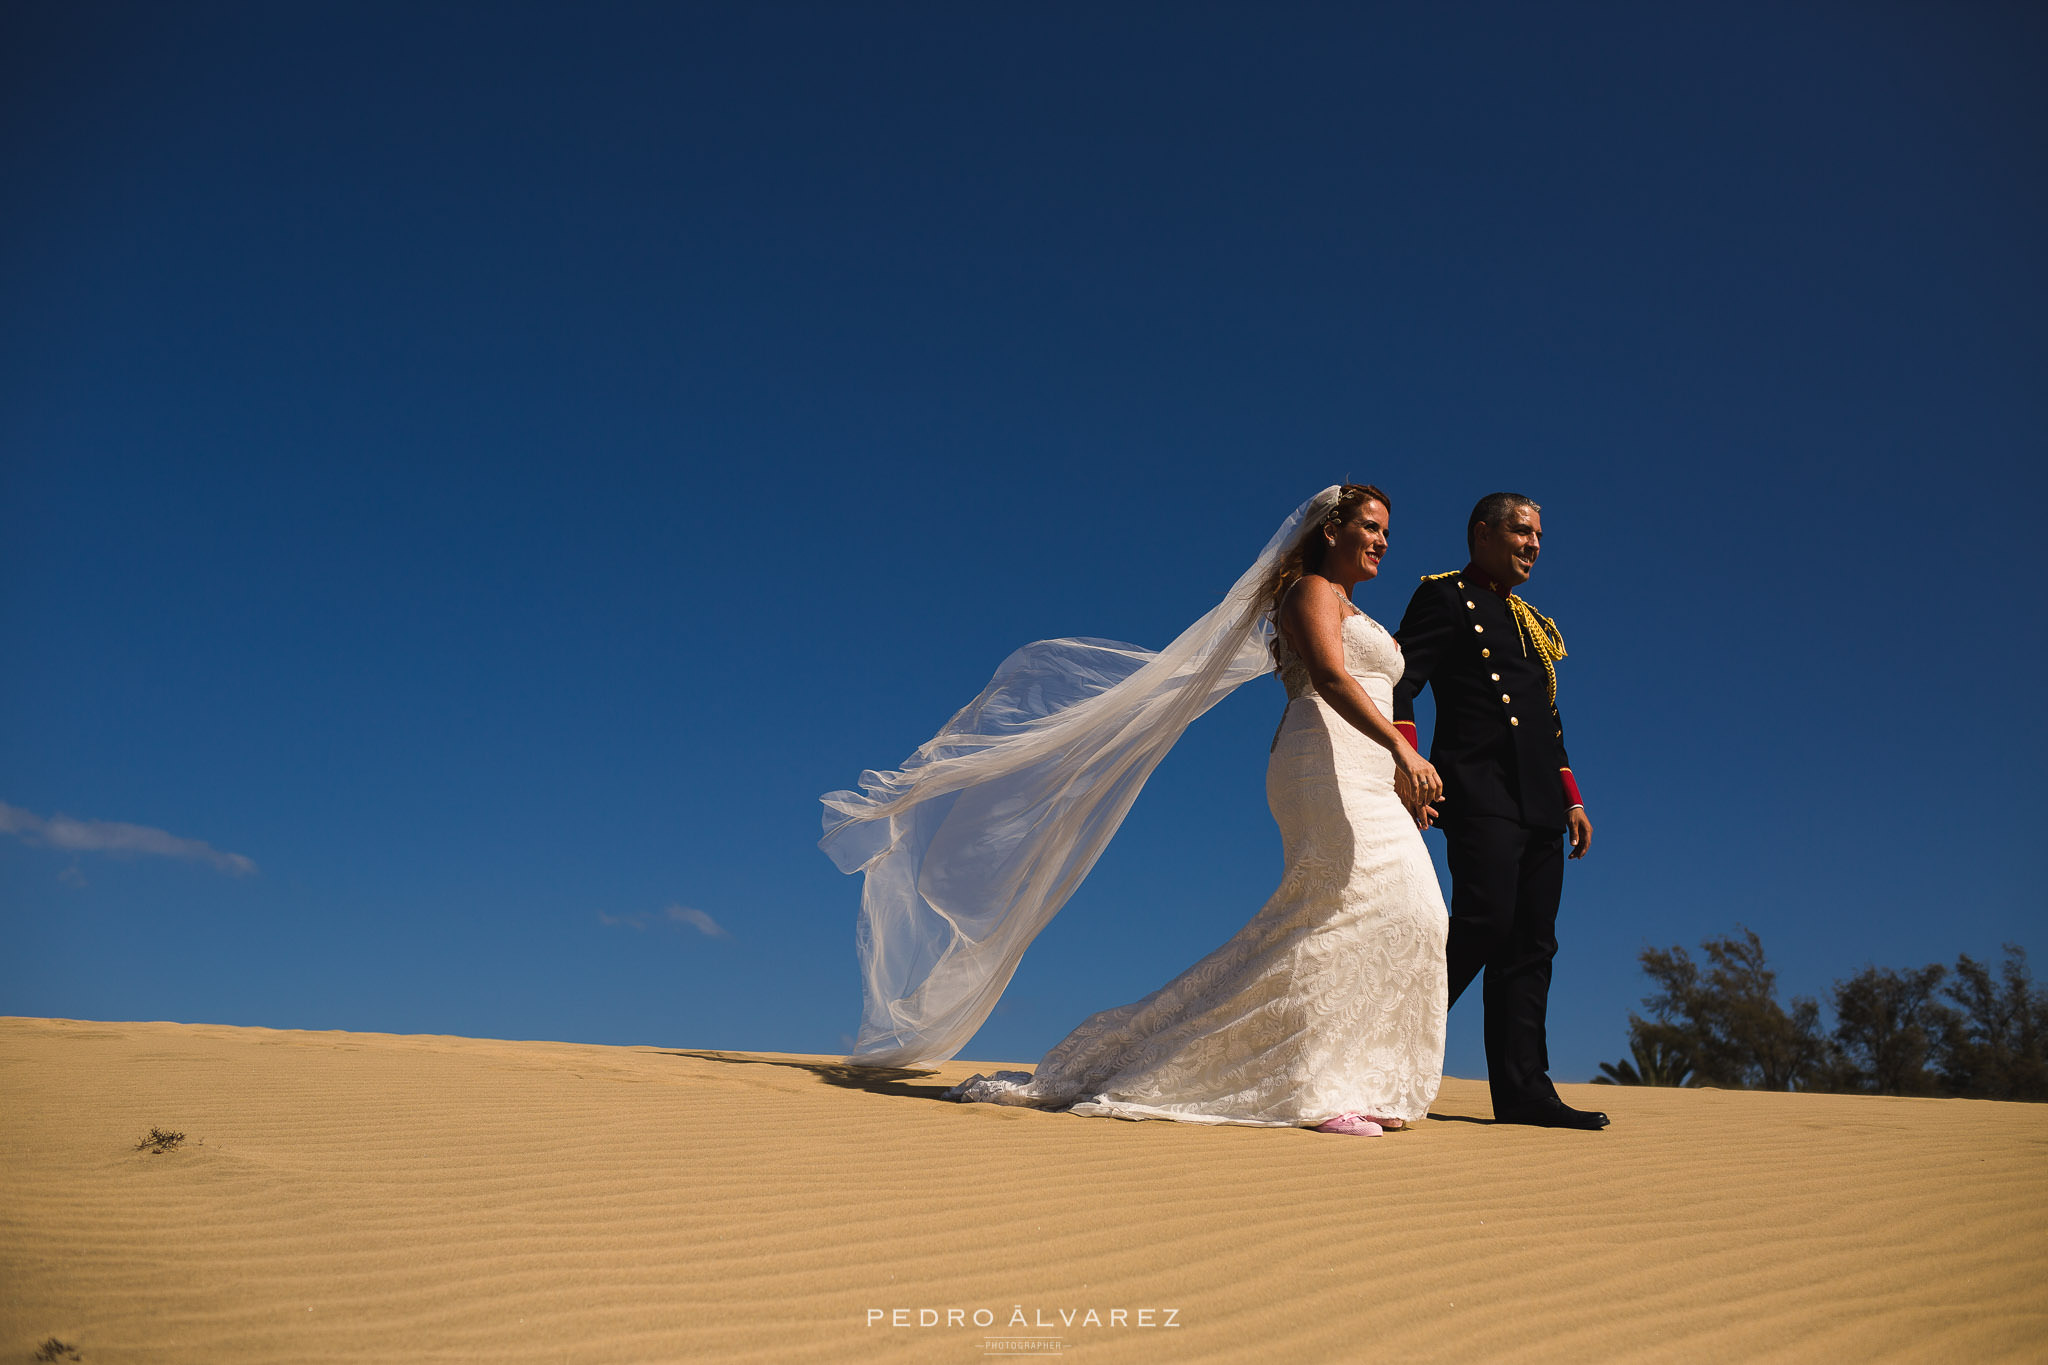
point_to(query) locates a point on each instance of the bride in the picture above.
(1325, 1011)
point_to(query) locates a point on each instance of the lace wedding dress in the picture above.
(1332, 999)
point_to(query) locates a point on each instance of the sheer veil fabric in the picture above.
(976, 842)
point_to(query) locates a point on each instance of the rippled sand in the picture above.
(357, 1197)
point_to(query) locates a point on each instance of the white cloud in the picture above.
(697, 920)
(675, 914)
(112, 836)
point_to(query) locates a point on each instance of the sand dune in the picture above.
(354, 1197)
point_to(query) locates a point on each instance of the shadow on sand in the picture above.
(886, 1080)
(876, 1080)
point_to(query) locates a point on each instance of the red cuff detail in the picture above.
(1407, 729)
(1571, 788)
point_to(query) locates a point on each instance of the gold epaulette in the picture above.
(1433, 577)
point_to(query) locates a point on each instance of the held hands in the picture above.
(1417, 784)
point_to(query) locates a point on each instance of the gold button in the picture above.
(1461, 585)
(1494, 676)
(1486, 654)
(1503, 696)
(1474, 606)
(1478, 630)
(1513, 720)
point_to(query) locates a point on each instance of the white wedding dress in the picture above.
(1332, 999)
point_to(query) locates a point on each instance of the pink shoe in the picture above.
(1357, 1125)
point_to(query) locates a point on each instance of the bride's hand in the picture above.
(1416, 780)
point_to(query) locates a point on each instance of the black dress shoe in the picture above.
(1554, 1114)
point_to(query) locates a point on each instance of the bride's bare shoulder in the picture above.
(1311, 617)
(1313, 597)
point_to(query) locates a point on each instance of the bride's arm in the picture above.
(1314, 622)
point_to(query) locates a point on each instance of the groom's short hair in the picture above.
(1492, 509)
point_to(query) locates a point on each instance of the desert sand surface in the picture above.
(370, 1197)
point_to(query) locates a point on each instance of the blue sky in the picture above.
(490, 468)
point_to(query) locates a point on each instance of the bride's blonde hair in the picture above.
(1307, 555)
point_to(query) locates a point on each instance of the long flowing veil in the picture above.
(973, 846)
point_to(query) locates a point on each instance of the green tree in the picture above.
(1651, 1063)
(1887, 1024)
(1727, 1020)
(1995, 1044)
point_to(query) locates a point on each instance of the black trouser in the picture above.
(1506, 879)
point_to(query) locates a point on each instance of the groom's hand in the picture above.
(1581, 830)
(1421, 809)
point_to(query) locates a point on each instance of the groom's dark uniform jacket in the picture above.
(1499, 745)
(1508, 788)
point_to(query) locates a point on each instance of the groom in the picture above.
(1509, 798)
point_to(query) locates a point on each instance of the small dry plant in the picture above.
(156, 1144)
(54, 1349)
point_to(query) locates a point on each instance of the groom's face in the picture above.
(1507, 553)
